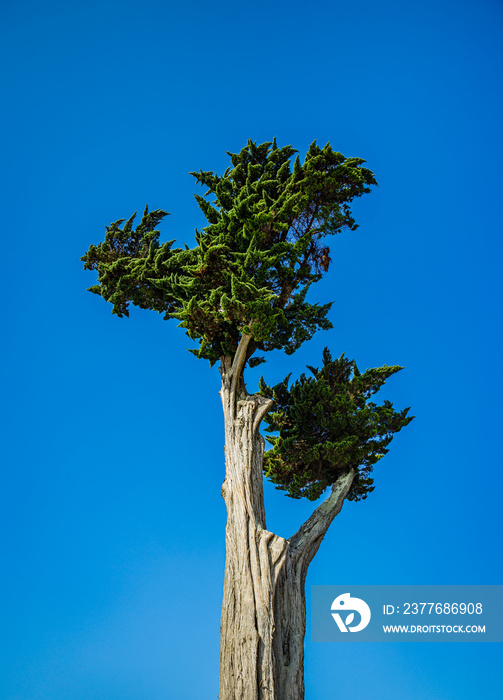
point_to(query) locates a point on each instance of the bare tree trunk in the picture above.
(263, 612)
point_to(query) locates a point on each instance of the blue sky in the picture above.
(112, 447)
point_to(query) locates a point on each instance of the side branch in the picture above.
(262, 408)
(306, 541)
(239, 361)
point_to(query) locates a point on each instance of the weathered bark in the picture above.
(263, 613)
(290, 596)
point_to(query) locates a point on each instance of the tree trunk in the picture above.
(263, 612)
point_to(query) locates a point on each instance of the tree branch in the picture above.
(306, 541)
(239, 361)
(263, 406)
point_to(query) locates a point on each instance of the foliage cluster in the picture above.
(327, 426)
(255, 261)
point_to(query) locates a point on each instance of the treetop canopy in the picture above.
(254, 262)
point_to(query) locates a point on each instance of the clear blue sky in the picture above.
(112, 448)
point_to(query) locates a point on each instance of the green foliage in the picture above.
(125, 262)
(249, 273)
(253, 264)
(326, 426)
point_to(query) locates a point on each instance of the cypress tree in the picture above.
(239, 293)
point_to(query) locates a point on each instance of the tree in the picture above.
(243, 290)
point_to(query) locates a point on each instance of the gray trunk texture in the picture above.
(263, 612)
